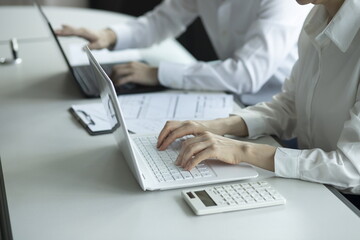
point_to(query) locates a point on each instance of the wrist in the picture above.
(220, 126)
(234, 125)
(260, 155)
(111, 38)
(154, 75)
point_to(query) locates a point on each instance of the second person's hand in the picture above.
(135, 72)
(98, 39)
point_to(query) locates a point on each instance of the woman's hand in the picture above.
(172, 130)
(135, 72)
(209, 146)
(98, 39)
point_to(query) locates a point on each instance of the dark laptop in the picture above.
(85, 78)
(5, 226)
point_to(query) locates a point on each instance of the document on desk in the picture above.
(147, 113)
(77, 56)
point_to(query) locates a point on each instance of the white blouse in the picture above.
(255, 39)
(320, 103)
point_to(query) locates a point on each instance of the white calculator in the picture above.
(232, 197)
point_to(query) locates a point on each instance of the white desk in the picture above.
(64, 184)
(21, 23)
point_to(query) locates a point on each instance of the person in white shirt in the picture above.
(319, 104)
(256, 42)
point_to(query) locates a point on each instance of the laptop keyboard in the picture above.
(162, 162)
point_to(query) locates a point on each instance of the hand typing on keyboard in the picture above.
(135, 72)
(208, 143)
(161, 163)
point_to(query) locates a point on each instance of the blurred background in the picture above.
(195, 39)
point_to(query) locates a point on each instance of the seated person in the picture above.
(256, 42)
(319, 104)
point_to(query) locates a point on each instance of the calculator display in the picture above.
(205, 198)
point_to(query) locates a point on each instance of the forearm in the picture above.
(110, 35)
(259, 155)
(233, 125)
(168, 19)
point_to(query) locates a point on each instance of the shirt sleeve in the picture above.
(277, 117)
(339, 168)
(268, 42)
(168, 19)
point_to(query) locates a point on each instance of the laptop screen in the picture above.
(113, 110)
(54, 35)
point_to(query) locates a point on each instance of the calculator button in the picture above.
(250, 201)
(232, 203)
(206, 174)
(168, 178)
(186, 174)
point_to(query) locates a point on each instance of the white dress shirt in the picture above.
(320, 103)
(254, 39)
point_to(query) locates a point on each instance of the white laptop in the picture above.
(153, 169)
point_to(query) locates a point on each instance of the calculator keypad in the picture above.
(245, 193)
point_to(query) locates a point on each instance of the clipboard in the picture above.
(93, 125)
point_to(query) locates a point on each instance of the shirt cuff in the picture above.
(124, 36)
(254, 122)
(171, 74)
(287, 162)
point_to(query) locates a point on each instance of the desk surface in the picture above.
(64, 184)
